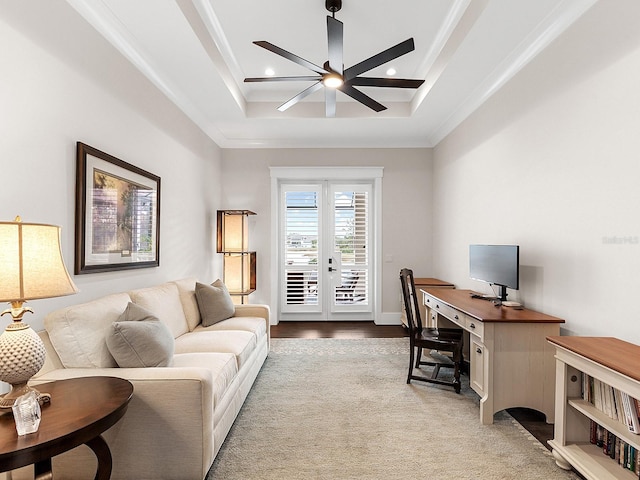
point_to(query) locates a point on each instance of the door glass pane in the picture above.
(351, 237)
(301, 228)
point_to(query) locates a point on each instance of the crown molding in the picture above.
(98, 15)
(566, 13)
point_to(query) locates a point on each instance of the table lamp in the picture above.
(31, 267)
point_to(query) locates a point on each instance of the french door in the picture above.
(325, 256)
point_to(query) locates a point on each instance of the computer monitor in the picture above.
(497, 265)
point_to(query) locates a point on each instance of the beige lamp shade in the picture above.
(239, 272)
(236, 238)
(31, 264)
(31, 267)
(233, 230)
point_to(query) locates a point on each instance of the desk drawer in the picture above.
(474, 326)
(463, 320)
(452, 314)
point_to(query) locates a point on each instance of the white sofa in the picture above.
(179, 414)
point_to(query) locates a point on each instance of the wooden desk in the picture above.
(511, 363)
(81, 409)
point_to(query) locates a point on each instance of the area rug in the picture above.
(341, 409)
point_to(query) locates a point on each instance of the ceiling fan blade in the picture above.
(381, 58)
(305, 93)
(330, 102)
(290, 56)
(385, 82)
(362, 98)
(283, 79)
(335, 36)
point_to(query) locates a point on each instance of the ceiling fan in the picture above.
(333, 76)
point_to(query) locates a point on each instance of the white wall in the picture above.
(62, 85)
(406, 216)
(551, 163)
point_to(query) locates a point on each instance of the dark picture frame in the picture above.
(117, 214)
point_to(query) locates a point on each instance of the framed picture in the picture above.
(117, 214)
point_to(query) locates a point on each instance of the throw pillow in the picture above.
(214, 302)
(139, 339)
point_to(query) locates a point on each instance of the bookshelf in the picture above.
(580, 362)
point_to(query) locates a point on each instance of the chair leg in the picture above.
(419, 357)
(410, 364)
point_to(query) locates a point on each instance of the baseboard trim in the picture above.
(389, 319)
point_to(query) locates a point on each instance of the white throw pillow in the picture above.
(164, 302)
(78, 332)
(214, 302)
(187, 291)
(138, 339)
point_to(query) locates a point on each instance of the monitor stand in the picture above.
(502, 293)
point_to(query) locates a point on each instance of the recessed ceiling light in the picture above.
(269, 72)
(391, 72)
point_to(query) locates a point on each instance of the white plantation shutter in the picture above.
(301, 216)
(351, 234)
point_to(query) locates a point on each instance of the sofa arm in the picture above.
(170, 416)
(255, 310)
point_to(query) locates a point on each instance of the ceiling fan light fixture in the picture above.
(333, 5)
(333, 76)
(332, 80)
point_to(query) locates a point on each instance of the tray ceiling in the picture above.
(197, 52)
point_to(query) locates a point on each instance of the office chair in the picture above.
(440, 339)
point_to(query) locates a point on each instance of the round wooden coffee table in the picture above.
(81, 409)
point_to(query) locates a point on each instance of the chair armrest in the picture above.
(178, 400)
(252, 310)
(157, 374)
(190, 387)
(255, 310)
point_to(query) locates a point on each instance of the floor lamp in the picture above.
(239, 264)
(31, 267)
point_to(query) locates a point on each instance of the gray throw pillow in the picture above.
(214, 302)
(139, 339)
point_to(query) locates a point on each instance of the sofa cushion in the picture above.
(255, 325)
(164, 302)
(223, 367)
(138, 339)
(78, 333)
(214, 302)
(187, 292)
(241, 344)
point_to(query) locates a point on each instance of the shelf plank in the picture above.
(619, 429)
(613, 353)
(589, 460)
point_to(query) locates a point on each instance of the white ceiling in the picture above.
(199, 51)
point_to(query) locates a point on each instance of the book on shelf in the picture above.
(631, 413)
(614, 403)
(624, 454)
